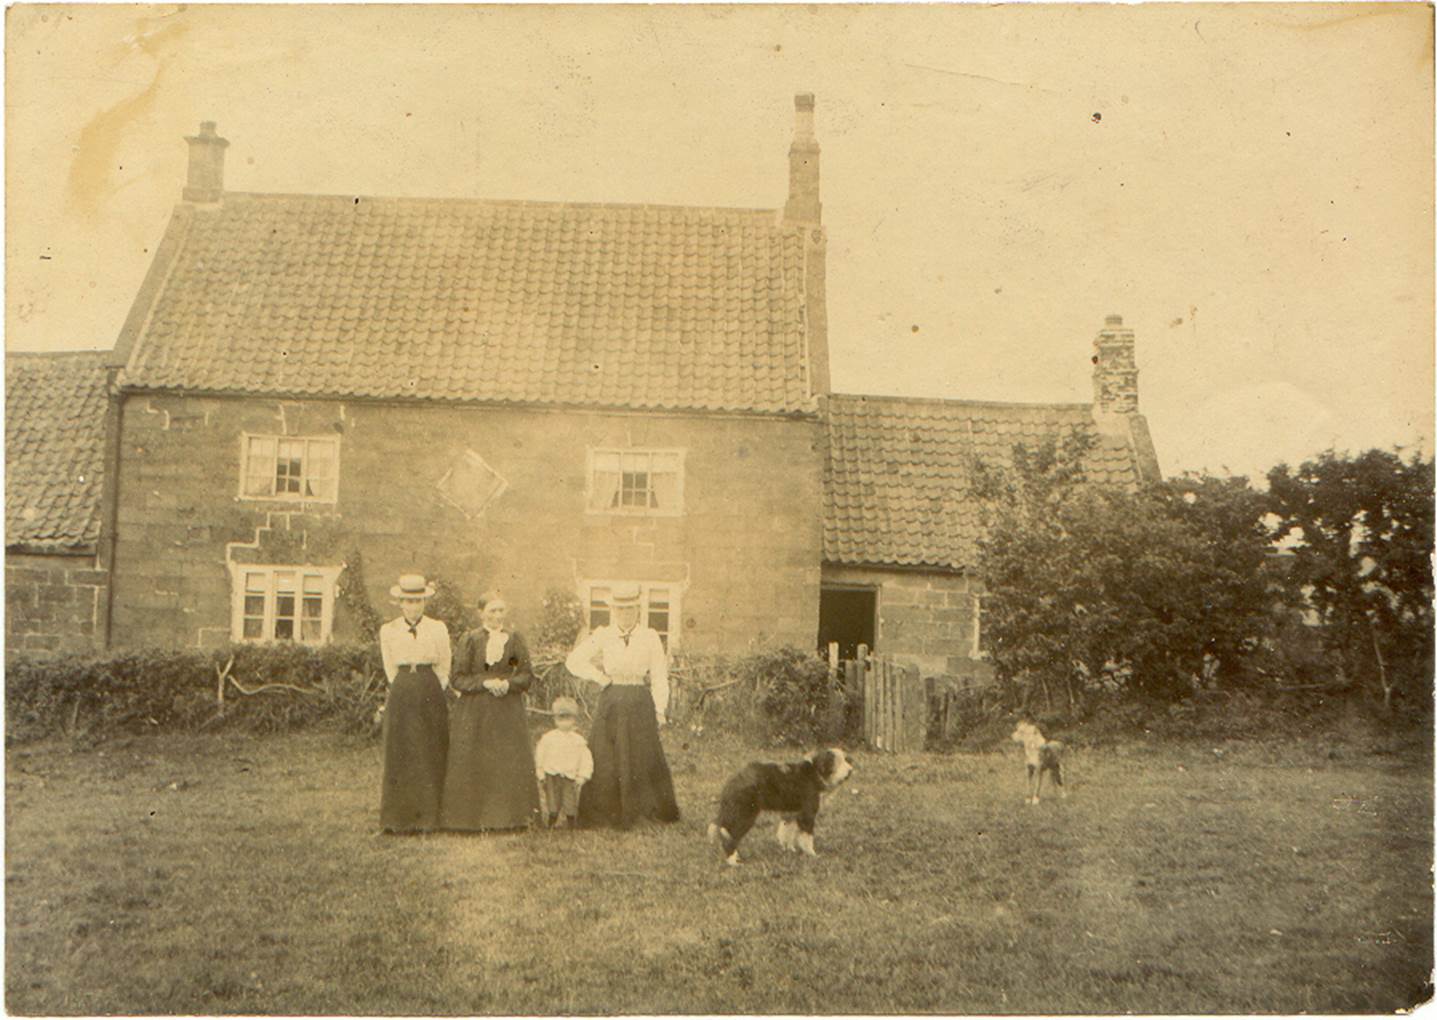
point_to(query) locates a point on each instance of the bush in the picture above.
(450, 607)
(288, 686)
(560, 621)
(781, 696)
(801, 703)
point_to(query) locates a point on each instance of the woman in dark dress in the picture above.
(416, 654)
(631, 779)
(490, 780)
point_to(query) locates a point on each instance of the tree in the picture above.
(1149, 591)
(1363, 532)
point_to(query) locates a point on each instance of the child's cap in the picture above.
(565, 707)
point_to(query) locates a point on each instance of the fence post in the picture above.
(880, 703)
(875, 701)
(899, 674)
(865, 685)
(915, 719)
(885, 700)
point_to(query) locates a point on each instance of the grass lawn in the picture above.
(242, 875)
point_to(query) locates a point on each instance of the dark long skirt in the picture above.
(631, 776)
(490, 783)
(416, 745)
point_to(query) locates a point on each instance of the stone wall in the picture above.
(744, 553)
(53, 603)
(926, 619)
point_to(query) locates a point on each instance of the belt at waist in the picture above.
(414, 666)
(626, 682)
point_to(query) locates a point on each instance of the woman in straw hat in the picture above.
(416, 655)
(631, 776)
(490, 783)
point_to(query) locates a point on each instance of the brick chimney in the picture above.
(206, 181)
(803, 205)
(1115, 370)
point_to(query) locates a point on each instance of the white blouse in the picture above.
(494, 647)
(624, 661)
(426, 645)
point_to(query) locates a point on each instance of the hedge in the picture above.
(258, 687)
(781, 696)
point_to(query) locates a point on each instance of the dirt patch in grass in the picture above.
(234, 875)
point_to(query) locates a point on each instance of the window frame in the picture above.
(240, 593)
(590, 492)
(977, 651)
(245, 440)
(672, 638)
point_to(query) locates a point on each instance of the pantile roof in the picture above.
(54, 449)
(897, 471)
(610, 305)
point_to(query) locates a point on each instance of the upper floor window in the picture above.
(290, 467)
(658, 607)
(283, 603)
(636, 482)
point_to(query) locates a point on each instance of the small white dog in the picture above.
(1043, 755)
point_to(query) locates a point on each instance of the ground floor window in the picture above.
(658, 606)
(283, 603)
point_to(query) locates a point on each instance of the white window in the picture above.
(290, 467)
(283, 603)
(658, 607)
(636, 482)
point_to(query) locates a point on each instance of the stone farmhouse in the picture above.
(511, 395)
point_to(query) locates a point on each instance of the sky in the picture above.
(1249, 186)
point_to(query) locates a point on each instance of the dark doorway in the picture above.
(848, 616)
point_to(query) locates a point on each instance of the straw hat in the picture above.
(412, 586)
(624, 595)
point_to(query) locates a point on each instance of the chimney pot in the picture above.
(1115, 371)
(803, 204)
(206, 179)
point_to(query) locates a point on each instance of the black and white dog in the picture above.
(793, 790)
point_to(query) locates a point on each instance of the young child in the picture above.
(563, 764)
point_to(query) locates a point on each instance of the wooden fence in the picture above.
(895, 700)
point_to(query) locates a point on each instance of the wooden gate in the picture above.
(895, 701)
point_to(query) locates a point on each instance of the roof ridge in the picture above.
(961, 402)
(78, 351)
(752, 211)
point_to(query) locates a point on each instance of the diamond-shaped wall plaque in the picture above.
(471, 484)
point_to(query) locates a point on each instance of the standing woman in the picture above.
(490, 783)
(416, 656)
(631, 776)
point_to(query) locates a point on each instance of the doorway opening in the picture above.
(848, 615)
